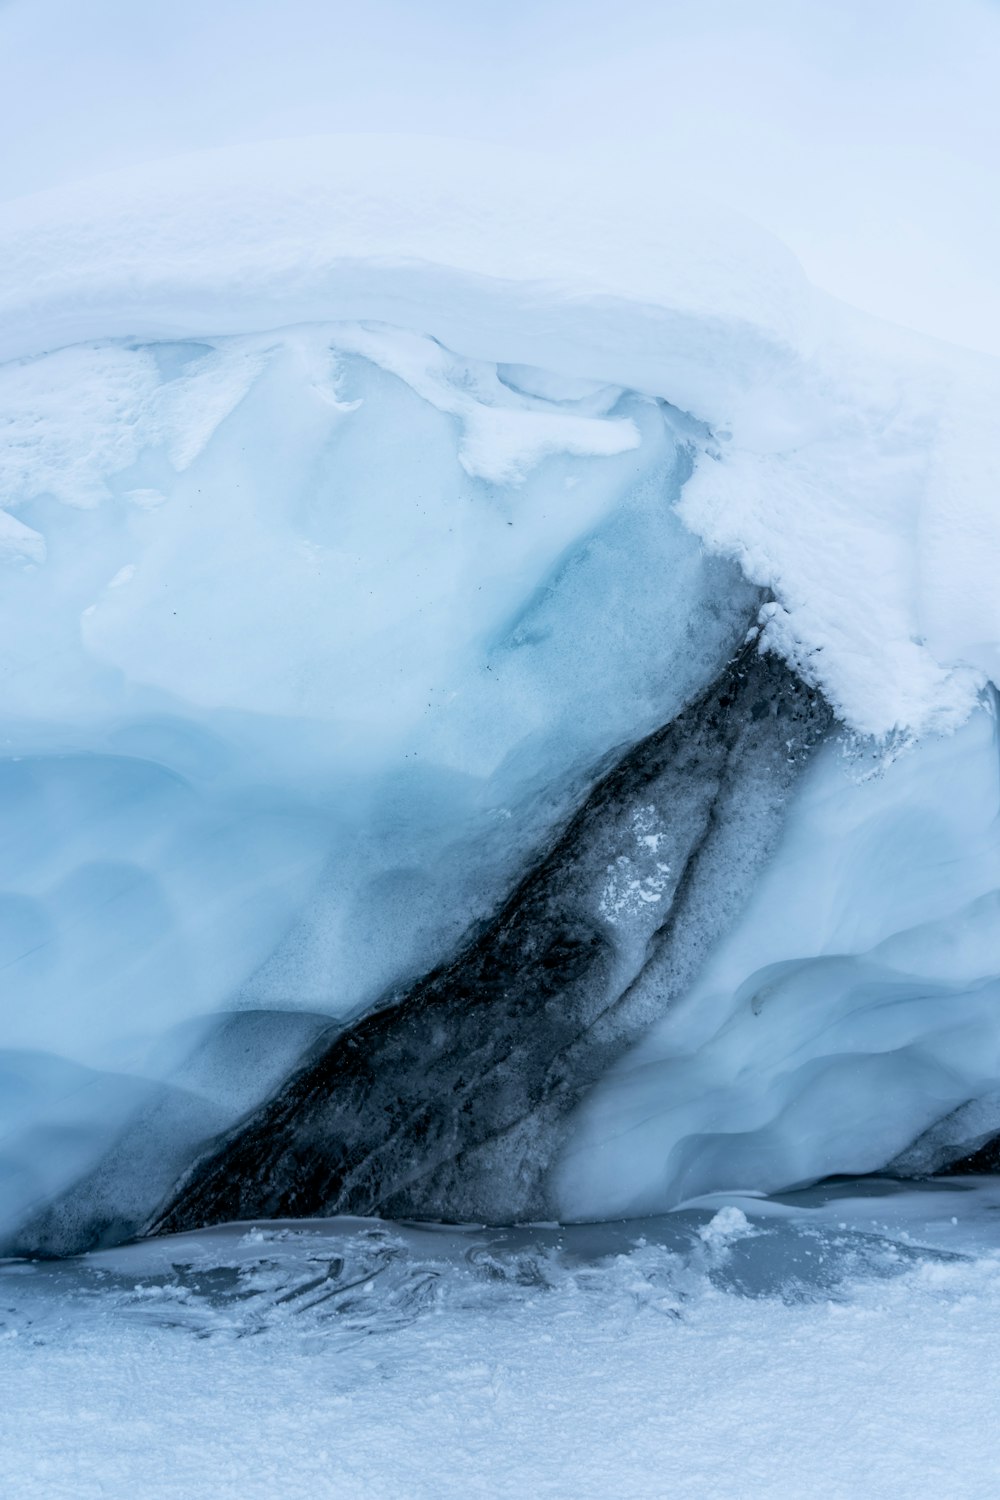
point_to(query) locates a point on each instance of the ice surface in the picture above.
(452, 1098)
(827, 1344)
(330, 625)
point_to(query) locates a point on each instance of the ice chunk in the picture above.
(367, 496)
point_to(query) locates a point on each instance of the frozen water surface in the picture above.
(833, 1342)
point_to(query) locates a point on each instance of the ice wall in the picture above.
(359, 502)
(309, 639)
(451, 1100)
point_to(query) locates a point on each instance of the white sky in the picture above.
(865, 133)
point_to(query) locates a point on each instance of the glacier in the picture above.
(497, 713)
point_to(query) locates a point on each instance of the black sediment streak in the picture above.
(451, 1101)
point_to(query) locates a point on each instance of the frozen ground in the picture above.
(840, 1342)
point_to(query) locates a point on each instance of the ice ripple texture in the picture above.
(282, 718)
(313, 637)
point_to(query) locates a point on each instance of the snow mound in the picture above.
(502, 255)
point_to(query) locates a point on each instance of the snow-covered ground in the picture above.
(840, 1343)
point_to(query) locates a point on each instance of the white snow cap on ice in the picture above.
(501, 254)
(848, 465)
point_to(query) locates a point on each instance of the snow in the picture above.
(728, 1224)
(848, 130)
(870, 513)
(479, 245)
(847, 1346)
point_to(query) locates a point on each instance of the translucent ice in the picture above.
(317, 635)
(854, 1005)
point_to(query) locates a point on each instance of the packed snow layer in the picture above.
(502, 254)
(852, 467)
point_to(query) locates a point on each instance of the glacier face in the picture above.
(296, 659)
(326, 634)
